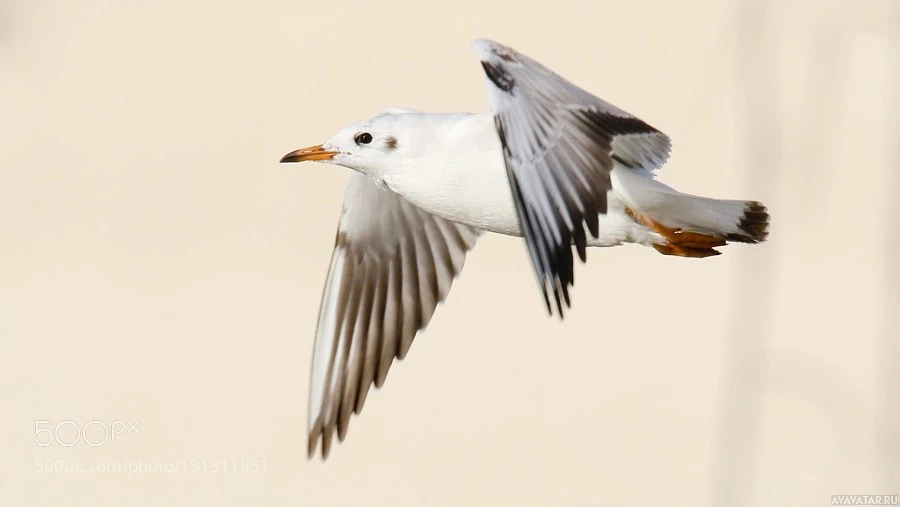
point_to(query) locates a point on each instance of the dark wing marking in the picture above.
(559, 143)
(392, 264)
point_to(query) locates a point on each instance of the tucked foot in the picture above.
(678, 242)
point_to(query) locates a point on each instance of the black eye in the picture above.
(364, 138)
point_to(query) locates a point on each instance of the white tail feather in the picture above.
(734, 220)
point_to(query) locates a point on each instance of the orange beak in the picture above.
(311, 153)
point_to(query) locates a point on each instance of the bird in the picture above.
(549, 162)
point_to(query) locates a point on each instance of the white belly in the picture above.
(483, 199)
(493, 214)
(464, 179)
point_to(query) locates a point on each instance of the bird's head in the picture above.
(367, 146)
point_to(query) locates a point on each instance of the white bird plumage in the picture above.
(550, 162)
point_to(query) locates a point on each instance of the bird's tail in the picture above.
(692, 226)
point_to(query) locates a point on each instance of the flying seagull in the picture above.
(550, 163)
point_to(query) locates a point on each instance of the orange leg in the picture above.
(678, 242)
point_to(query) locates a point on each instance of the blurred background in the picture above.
(160, 272)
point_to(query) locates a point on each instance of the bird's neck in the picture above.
(456, 170)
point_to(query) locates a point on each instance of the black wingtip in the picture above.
(311, 444)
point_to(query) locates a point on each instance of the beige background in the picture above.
(158, 265)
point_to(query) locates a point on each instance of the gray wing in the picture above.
(392, 264)
(559, 144)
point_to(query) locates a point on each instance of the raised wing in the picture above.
(559, 144)
(392, 264)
